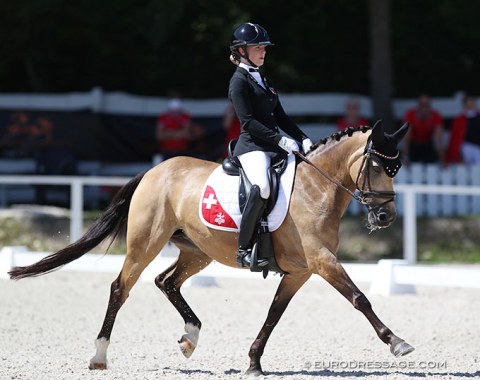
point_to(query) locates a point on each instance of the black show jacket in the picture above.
(260, 113)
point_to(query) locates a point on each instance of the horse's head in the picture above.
(373, 174)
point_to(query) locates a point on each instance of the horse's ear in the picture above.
(400, 134)
(378, 135)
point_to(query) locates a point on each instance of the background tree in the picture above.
(381, 66)
(149, 47)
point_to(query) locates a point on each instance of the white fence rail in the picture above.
(439, 203)
(386, 278)
(327, 104)
(76, 192)
(409, 203)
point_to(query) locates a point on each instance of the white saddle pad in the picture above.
(219, 209)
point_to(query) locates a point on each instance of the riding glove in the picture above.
(306, 145)
(288, 145)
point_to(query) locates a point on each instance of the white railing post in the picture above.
(76, 207)
(410, 227)
(96, 96)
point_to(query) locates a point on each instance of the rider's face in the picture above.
(257, 53)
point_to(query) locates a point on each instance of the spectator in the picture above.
(464, 143)
(27, 134)
(174, 130)
(352, 116)
(424, 140)
(231, 124)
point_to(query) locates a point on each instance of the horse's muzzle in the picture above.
(381, 217)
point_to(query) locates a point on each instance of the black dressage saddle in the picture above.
(263, 247)
(232, 166)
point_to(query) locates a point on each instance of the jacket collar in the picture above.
(249, 77)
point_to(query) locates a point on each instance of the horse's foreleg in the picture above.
(189, 262)
(289, 285)
(328, 266)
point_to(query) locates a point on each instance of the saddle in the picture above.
(263, 247)
(232, 166)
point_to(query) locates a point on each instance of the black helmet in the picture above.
(245, 35)
(249, 34)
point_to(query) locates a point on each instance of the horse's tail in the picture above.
(112, 221)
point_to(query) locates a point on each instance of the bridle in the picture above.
(366, 193)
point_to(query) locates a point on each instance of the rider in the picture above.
(261, 116)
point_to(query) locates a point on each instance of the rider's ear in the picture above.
(400, 134)
(378, 137)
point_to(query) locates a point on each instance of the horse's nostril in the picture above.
(382, 217)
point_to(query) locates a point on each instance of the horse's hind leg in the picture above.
(328, 266)
(189, 262)
(140, 252)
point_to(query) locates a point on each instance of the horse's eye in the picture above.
(376, 167)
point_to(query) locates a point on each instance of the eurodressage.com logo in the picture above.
(369, 365)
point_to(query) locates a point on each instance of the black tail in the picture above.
(110, 223)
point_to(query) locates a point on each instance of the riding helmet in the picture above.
(245, 35)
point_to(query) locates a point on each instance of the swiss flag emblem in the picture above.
(213, 212)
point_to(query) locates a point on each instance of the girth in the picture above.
(232, 166)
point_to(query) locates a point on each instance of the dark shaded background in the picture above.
(150, 47)
(98, 137)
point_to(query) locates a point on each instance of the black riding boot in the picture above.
(251, 217)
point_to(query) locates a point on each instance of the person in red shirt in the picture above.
(424, 140)
(464, 143)
(174, 130)
(352, 116)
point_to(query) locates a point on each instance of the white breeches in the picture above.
(256, 165)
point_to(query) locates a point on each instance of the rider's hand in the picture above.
(288, 145)
(306, 145)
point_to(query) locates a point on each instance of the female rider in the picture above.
(261, 116)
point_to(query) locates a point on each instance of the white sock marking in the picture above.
(192, 333)
(101, 354)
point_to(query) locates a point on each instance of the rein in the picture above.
(362, 198)
(358, 198)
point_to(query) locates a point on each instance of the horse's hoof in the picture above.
(401, 349)
(97, 365)
(186, 346)
(189, 341)
(254, 372)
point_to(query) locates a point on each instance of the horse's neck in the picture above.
(337, 159)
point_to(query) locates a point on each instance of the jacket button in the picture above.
(271, 114)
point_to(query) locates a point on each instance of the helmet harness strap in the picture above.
(245, 55)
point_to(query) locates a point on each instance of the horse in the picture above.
(162, 205)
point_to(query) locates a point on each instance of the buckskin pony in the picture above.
(162, 205)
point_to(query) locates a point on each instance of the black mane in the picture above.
(337, 136)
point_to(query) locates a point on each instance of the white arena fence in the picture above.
(462, 200)
(121, 103)
(435, 199)
(387, 277)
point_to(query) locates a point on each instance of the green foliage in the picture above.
(151, 46)
(435, 46)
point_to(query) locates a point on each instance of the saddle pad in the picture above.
(219, 207)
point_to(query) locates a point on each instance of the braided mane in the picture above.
(337, 136)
